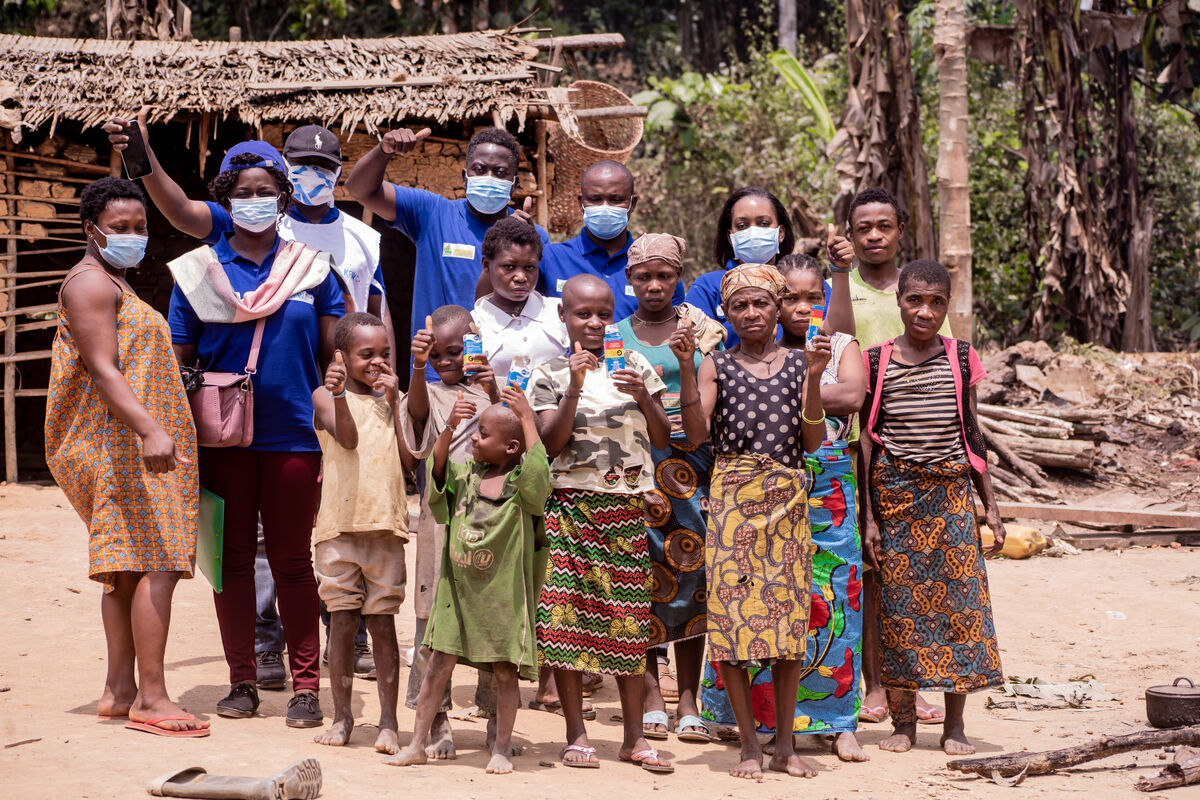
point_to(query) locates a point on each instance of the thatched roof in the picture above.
(373, 81)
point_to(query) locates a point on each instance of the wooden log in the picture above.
(1022, 415)
(29, 355)
(71, 201)
(1000, 426)
(1040, 431)
(93, 168)
(1070, 414)
(1027, 470)
(1183, 771)
(383, 83)
(1048, 761)
(1112, 516)
(9, 266)
(542, 111)
(1060, 453)
(585, 41)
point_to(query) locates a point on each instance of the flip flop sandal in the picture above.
(590, 752)
(656, 718)
(152, 726)
(873, 714)
(300, 781)
(642, 756)
(703, 736)
(668, 685)
(935, 716)
(556, 708)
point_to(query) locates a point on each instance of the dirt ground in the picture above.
(1130, 618)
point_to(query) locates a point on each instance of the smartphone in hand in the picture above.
(137, 162)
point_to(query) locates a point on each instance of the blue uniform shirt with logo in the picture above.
(582, 256)
(287, 363)
(705, 294)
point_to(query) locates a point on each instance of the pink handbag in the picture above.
(223, 406)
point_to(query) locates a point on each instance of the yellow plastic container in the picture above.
(1020, 541)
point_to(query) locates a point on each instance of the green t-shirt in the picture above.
(493, 564)
(876, 314)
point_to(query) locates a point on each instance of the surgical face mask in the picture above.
(605, 222)
(313, 185)
(254, 214)
(755, 245)
(123, 250)
(488, 195)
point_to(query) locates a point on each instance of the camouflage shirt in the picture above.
(609, 449)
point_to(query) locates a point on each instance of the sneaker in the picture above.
(364, 660)
(241, 702)
(270, 670)
(304, 711)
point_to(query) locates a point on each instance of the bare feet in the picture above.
(901, 740)
(410, 756)
(793, 765)
(749, 768)
(513, 749)
(847, 748)
(338, 733)
(116, 703)
(441, 739)
(499, 765)
(144, 713)
(954, 741)
(387, 741)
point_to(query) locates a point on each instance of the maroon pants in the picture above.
(282, 488)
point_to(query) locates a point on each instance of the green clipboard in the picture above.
(210, 537)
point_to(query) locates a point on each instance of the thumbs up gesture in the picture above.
(402, 141)
(422, 343)
(335, 375)
(841, 251)
(580, 364)
(525, 212)
(463, 409)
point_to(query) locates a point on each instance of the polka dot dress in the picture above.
(760, 416)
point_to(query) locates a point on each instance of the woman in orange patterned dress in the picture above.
(121, 444)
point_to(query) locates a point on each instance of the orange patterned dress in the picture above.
(137, 521)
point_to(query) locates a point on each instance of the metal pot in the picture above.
(1173, 706)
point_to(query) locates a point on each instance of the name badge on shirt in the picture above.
(561, 283)
(720, 310)
(451, 250)
(629, 291)
(303, 297)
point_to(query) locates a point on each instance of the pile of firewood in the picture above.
(1024, 440)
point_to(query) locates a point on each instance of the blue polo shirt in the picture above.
(581, 255)
(222, 226)
(705, 294)
(287, 362)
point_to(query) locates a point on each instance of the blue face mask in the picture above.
(488, 195)
(755, 245)
(605, 222)
(254, 214)
(313, 186)
(123, 250)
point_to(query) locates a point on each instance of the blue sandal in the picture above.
(656, 718)
(703, 736)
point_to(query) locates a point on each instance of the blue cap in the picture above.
(268, 156)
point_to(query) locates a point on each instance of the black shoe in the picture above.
(241, 702)
(364, 661)
(304, 711)
(270, 670)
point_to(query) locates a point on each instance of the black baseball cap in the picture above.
(312, 141)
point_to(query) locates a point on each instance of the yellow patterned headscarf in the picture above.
(751, 276)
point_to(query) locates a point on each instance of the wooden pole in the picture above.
(543, 206)
(953, 170)
(10, 368)
(587, 41)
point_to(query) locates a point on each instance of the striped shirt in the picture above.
(920, 413)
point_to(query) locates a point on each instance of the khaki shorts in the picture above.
(362, 572)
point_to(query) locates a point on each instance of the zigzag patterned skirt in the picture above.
(935, 612)
(594, 610)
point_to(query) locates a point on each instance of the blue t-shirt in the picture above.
(287, 363)
(705, 294)
(222, 226)
(581, 255)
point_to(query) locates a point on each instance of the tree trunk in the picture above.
(787, 26)
(953, 170)
(1137, 218)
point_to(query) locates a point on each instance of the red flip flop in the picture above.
(153, 726)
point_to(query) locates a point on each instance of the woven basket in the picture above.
(600, 139)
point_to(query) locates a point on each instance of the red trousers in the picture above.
(281, 487)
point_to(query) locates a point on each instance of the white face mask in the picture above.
(313, 185)
(254, 214)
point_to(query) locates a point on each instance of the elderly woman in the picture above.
(121, 444)
(256, 303)
(764, 410)
(667, 334)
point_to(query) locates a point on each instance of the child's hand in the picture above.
(581, 363)
(388, 383)
(515, 399)
(841, 251)
(463, 409)
(629, 381)
(422, 343)
(335, 375)
(996, 526)
(872, 543)
(683, 341)
(818, 352)
(480, 373)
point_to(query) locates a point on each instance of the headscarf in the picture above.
(662, 246)
(751, 276)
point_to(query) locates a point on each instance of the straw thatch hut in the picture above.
(205, 96)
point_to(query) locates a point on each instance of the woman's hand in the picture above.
(683, 341)
(158, 452)
(422, 344)
(388, 383)
(581, 363)
(996, 526)
(872, 543)
(818, 352)
(463, 409)
(335, 375)
(629, 381)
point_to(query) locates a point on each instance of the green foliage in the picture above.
(798, 78)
